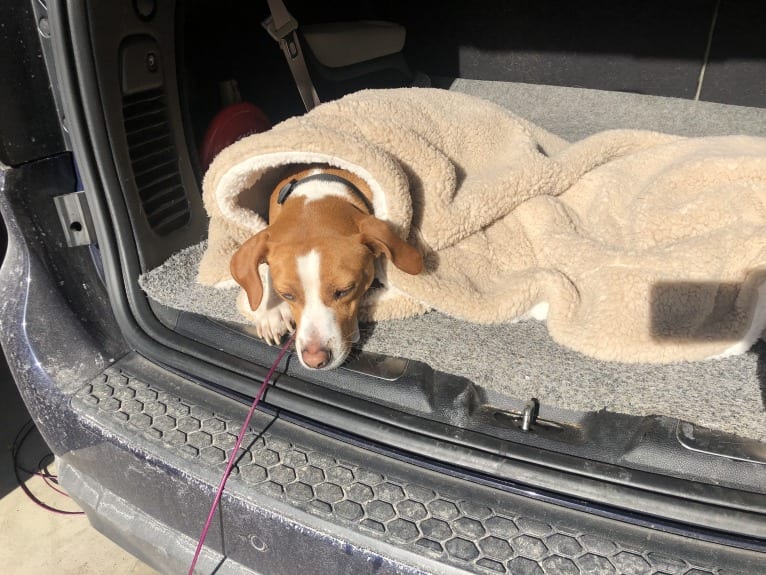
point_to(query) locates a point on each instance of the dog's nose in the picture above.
(315, 356)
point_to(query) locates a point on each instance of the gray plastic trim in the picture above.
(427, 520)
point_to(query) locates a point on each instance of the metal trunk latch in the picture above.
(529, 415)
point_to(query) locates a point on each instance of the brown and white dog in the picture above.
(311, 267)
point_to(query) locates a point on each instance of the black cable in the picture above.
(18, 443)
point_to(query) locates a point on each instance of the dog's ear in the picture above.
(380, 238)
(244, 266)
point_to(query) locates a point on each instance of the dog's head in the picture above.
(322, 264)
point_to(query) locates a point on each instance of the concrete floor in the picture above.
(36, 541)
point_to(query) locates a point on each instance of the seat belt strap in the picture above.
(283, 28)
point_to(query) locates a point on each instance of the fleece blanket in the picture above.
(635, 246)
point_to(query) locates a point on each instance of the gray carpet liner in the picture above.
(520, 360)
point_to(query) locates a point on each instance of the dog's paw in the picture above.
(227, 283)
(271, 322)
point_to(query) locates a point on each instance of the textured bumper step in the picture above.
(439, 518)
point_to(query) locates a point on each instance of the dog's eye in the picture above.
(341, 293)
(287, 296)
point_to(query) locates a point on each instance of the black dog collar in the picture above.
(290, 186)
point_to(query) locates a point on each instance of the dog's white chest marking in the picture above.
(318, 320)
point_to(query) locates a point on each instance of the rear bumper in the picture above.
(153, 446)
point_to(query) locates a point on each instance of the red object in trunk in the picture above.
(229, 125)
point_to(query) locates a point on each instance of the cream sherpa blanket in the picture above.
(634, 246)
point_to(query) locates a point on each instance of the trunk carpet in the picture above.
(520, 360)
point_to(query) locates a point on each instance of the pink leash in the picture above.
(234, 452)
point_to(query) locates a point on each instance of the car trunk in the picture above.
(682, 443)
